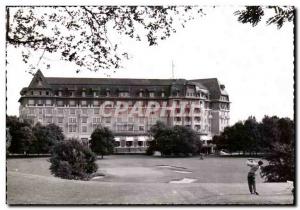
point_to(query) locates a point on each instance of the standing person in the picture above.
(254, 166)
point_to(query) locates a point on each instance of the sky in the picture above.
(254, 63)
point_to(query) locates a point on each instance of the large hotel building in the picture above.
(129, 107)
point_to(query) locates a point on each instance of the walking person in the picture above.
(254, 166)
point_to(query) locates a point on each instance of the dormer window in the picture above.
(151, 94)
(39, 83)
(95, 94)
(123, 94)
(72, 94)
(83, 93)
(59, 93)
(140, 94)
(162, 94)
(107, 92)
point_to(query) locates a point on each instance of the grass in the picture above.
(142, 180)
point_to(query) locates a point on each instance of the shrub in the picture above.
(72, 160)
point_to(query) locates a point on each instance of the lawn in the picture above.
(142, 180)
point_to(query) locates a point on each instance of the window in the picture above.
(141, 128)
(96, 120)
(60, 111)
(151, 94)
(123, 94)
(130, 127)
(140, 143)
(107, 120)
(40, 102)
(72, 103)
(96, 103)
(59, 93)
(40, 111)
(72, 120)
(141, 94)
(84, 129)
(128, 143)
(31, 111)
(141, 120)
(48, 111)
(47, 93)
(48, 102)
(96, 111)
(72, 111)
(60, 119)
(30, 102)
(83, 103)
(72, 128)
(84, 111)
(48, 119)
(163, 94)
(60, 103)
(83, 94)
(84, 120)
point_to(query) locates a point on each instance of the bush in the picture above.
(72, 160)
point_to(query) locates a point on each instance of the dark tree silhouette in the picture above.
(102, 141)
(82, 34)
(254, 14)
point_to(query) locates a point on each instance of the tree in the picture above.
(178, 140)
(8, 139)
(254, 14)
(72, 160)
(252, 135)
(47, 136)
(102, 141)
(279, 141)
(26, 139)
(86, 29)
(21, 135)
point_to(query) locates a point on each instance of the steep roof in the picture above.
(110, 81)
(118, 84)
(213, 86)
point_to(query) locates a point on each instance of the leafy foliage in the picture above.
(21, 135)
(254, 14)
(8, 139)
(280, 146)
(47, 136)
(72, 160)
(102, 141)
(87, 29)
(274, 137)
(177, 140)
(27, 139)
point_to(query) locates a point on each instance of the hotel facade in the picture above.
(128, 107)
